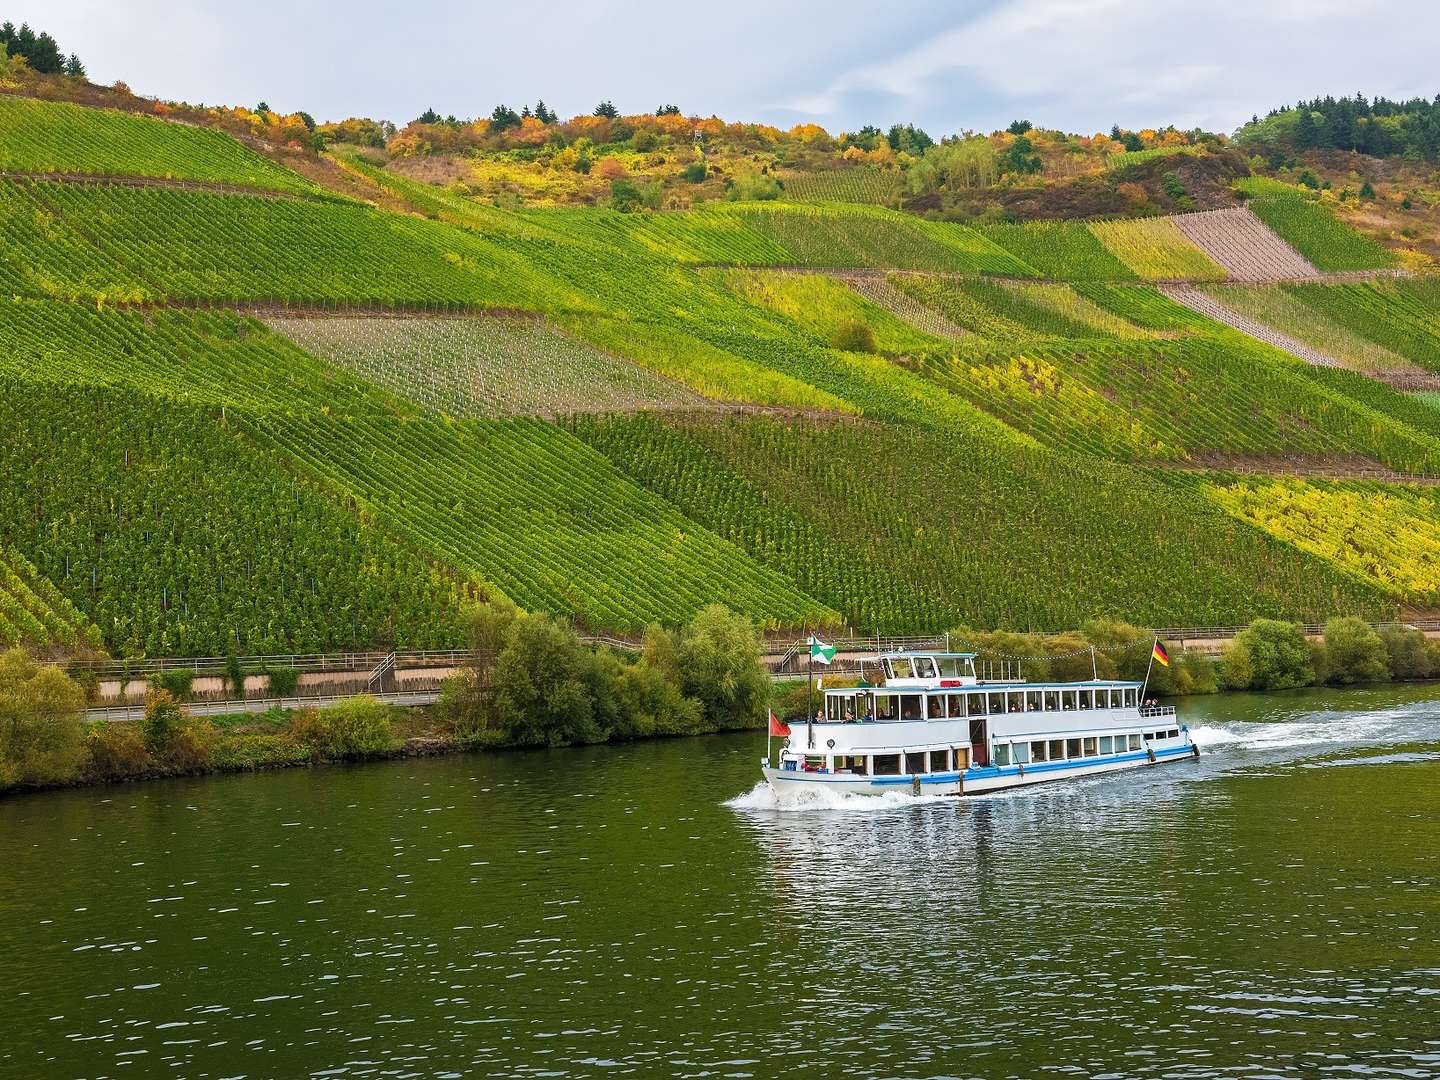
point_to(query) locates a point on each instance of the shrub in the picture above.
(283, 681)
(234, 674)
(117, 751)
(356, 728)
(243, 753)
(854, 336)
(1279, 655)
(191, 745)
(695, 172)
(162, 722)
(652, 704)
(1408, 653)
(1354, 652)
(1195, 674)
(42, 740)
(177, 682)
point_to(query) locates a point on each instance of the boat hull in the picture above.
(795, 786)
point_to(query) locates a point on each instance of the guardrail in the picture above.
(115, 713)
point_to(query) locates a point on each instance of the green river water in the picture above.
(1272, 910)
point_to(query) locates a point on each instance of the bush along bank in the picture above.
(532, 683)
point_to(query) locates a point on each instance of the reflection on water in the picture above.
(1268, 910)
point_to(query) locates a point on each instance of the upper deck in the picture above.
(928, 670)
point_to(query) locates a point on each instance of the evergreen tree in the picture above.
(74, 68)
(607, 110)
(668, 110)
(429, 116)
(543, 114)
(502, 117)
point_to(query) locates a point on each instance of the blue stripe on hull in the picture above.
(1049, 769)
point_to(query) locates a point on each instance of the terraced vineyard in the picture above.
(354, 479)
(1388, 534)
(525, 510)
(34, 613)
(57, 137)
(251, 556)
(1244, 246)
(1155, 249)
(484, 367)
(1316, 234)
(1280, 310)
(851, 512)
(860, 184)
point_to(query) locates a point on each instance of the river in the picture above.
(1272, 910)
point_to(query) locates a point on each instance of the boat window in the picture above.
(1174, 733)
(912, 707)
(1069, 699)
(1132, 696)
(833, 709)
(1134, 742)
(1002, 753)
(854, 765)
(997, 703)
(955, 704)
(1037, 752)
(1087, 699)
(1072, 748)
(887, 764)
(1057, 749)
(952, 667)
(1090, 750)
(976, 704)
(884, 706)
(815, 764)
(899, 667)
(1106, 744)
(925, 667)
(1117, 698)
(1034, 700)
(939, 760)
(1052, 700)
(1015, 701)
(915, 763)
(1021, 753)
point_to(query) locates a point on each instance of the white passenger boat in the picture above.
(934, 728)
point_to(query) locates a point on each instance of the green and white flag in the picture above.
(820, 653)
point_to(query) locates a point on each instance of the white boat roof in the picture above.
(990, 687)
(938, 654)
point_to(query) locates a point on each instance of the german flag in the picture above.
(1160, 654)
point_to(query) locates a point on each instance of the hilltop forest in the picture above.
(278, 385)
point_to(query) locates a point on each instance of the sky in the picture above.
(1078, 65)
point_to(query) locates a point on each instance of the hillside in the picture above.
(249, 409)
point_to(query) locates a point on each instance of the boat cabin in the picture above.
(928, 669)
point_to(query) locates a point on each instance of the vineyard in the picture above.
(1244, 246)
(1316, 234)
(60, 138)
(279, 422)
(194, 541)
(1387, 534)
(34, 613)
(483, 367)
(858, 184)
(852, 512)
(524, 510)
(1281, 310)
(1155, 249)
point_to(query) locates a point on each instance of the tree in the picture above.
(543, 114)
(1354, 652)
(1278, 654)
(430, 116)
(502, 117)
(668, 110)
(607, 110)
(42, 740)
(1408, 653)
(164, 718)
(719, 662)
(262, 108)
(74, 68)
(908, 139)
(1019, 127)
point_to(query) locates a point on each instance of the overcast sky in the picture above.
(1080, 65)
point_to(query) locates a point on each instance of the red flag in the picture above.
(776, 727)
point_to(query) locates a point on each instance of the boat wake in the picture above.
(1318, 730)
(763, 797)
